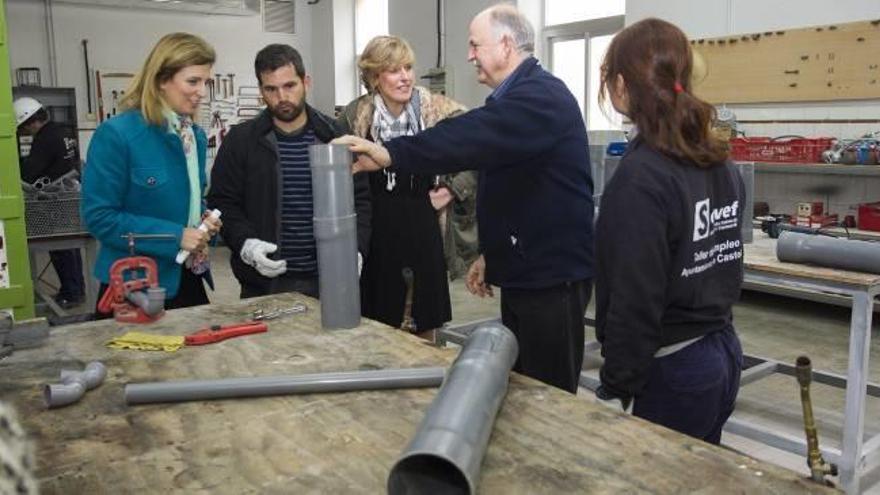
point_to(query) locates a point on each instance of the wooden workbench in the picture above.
(544, 441)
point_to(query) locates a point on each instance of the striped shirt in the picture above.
(297, 239)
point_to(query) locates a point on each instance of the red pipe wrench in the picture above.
(216, 333)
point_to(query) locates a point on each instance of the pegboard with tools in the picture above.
(110, 88)
(821, 63)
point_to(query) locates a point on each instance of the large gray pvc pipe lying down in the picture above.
(74, 385)
(445, 454)
(846, 254)
(232, 388)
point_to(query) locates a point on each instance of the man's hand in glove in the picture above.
(254, 252)
(617, 403)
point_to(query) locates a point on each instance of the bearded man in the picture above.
(262, 183)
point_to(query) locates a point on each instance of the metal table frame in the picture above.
(84, 242)
(858, 456)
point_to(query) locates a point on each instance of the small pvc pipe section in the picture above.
(74, 385)
(152, 302)
(447, 450)
(234, 388)
(834, 252)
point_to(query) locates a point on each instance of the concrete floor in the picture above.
(771, 326)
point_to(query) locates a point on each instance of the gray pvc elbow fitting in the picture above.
(152, 301)
(74, 385)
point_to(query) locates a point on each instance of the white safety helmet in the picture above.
(25, 107)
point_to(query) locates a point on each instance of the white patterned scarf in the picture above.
(386, 126)
(181, 125)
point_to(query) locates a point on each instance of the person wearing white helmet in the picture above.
(54, 150)
(53, 153)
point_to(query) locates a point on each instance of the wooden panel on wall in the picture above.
(834, 62)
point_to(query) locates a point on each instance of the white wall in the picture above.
(458, 17)
(322, 95)
(343, 54)
(714, 18)
(416, 22)
(120, 38)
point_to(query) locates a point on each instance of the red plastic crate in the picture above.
(869, 216)
(785, 149)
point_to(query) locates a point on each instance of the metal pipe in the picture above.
(445, 454)
(335, 228)
(846, 254)
(50, 39)
(74, 385)
(747, 171)
(152, 301)
(233, 388)
(817, 465)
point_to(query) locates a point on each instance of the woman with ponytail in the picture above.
(668, 243)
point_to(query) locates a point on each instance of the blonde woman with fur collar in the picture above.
(405, 231)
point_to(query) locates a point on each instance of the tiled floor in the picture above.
(770, 326)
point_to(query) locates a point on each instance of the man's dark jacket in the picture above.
(535, 196)
(53, 153)
(244, 187)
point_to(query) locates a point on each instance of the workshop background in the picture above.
(816, 159)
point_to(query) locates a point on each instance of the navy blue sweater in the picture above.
(535, 195)
(670, 259)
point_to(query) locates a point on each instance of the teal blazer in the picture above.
(135, 180)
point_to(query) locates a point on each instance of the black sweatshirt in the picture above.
(669, 259)
(53, 153)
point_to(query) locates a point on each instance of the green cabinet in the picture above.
(16, 288)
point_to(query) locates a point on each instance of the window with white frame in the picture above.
(371, 20)
(577, 34)
(566, 11)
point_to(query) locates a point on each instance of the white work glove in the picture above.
(612, 402)
(360, 263)
(254, 252)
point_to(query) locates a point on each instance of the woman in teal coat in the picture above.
(145, 171)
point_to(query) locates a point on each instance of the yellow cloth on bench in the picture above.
(141, 341)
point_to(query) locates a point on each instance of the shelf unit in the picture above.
(818, 169)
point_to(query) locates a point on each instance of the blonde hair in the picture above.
(383, 53)
(171, 54)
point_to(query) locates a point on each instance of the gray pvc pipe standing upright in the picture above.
(447, 450)
(835, 252)
(335, 225)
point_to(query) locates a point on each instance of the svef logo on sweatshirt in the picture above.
(708, 221)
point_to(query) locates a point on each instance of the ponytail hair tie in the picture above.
(678, 88)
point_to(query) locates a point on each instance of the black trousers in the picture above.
(68, 265)
(190, 293)
(694, 390)
(549, 328)
(307, 285)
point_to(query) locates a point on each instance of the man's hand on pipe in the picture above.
(370, 156)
